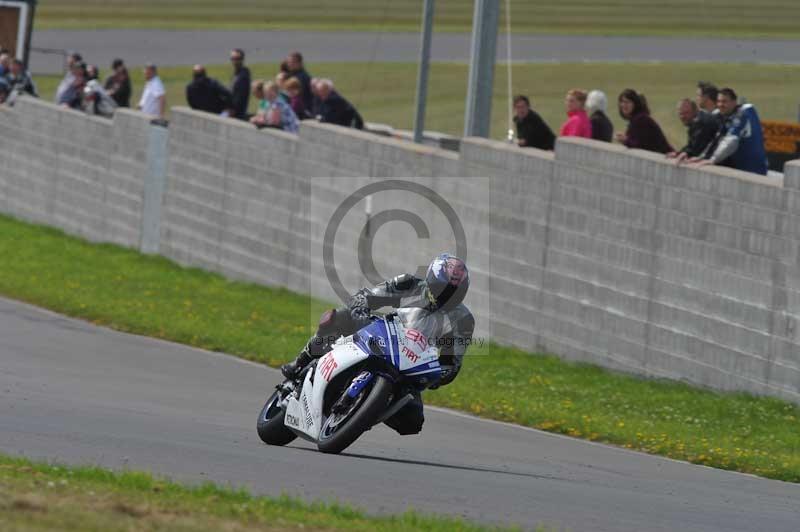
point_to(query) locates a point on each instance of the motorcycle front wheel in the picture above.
(339, 430)
(270, 426)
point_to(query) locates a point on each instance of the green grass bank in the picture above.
(43, 497)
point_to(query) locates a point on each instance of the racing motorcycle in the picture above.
(363, 381)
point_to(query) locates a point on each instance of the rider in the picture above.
(432, 305)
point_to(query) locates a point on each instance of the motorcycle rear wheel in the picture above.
(337, 439)
(270, 426)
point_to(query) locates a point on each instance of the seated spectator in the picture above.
(69, 78)
(532, 131)
(334, 109)
(275, 112)
(295, 91)
(702, 127)
(207, 94)
(706, 96)
(21, 80)
(118, 84)
(577, 124)
(643, 132)
(597, 105)
(72, 95)
(740, 142)
(240, 85)
(154, 98)
(297, 69)
(96, 101)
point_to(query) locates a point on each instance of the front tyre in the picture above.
(270, 426)
(339, 430)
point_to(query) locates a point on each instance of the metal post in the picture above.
(477, 117)
(422, 75)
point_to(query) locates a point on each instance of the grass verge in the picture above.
(38, 496)
(148, 295)
(384, 92)
(737, 18)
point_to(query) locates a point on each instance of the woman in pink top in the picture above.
(577, 124)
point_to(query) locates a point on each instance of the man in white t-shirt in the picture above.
(154, 97)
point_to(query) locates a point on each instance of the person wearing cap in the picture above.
(118, 84)
(154, 98)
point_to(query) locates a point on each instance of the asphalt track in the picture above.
(80, 394)
(168, 47)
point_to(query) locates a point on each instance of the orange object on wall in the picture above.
(781, 137)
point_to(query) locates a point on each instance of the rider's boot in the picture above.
(292, 369)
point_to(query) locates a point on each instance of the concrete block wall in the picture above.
(594, 252)
(233, 203)
(82, 174)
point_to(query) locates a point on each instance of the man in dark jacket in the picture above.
(702, 126)
(296, 69)
(334, 109)
(532, 131)
(240, 85)
(207, 94)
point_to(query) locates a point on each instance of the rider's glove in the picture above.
(447, 376)
(359, 305)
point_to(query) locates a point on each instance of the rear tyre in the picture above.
(339, 431)
(270, 425)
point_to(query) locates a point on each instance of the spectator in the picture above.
(334, 109)
(96, 101)
(207, 94)
(740, 142)
(5, 64)
(240, 85)
(597, 105)
(295, 92)
(577, 124)
(72, 95)
(69, 78)
(5, 90)
(262, 104)
(280, 79)
(92, 72)
(118, 84)
(706, 96)
(532, 131)
(298, 70)
(21, 80)
(315, 101)
(702, 129)
(154, 98)
(276, 113)
(643, 132)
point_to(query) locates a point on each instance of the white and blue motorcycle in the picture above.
(363, 381)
